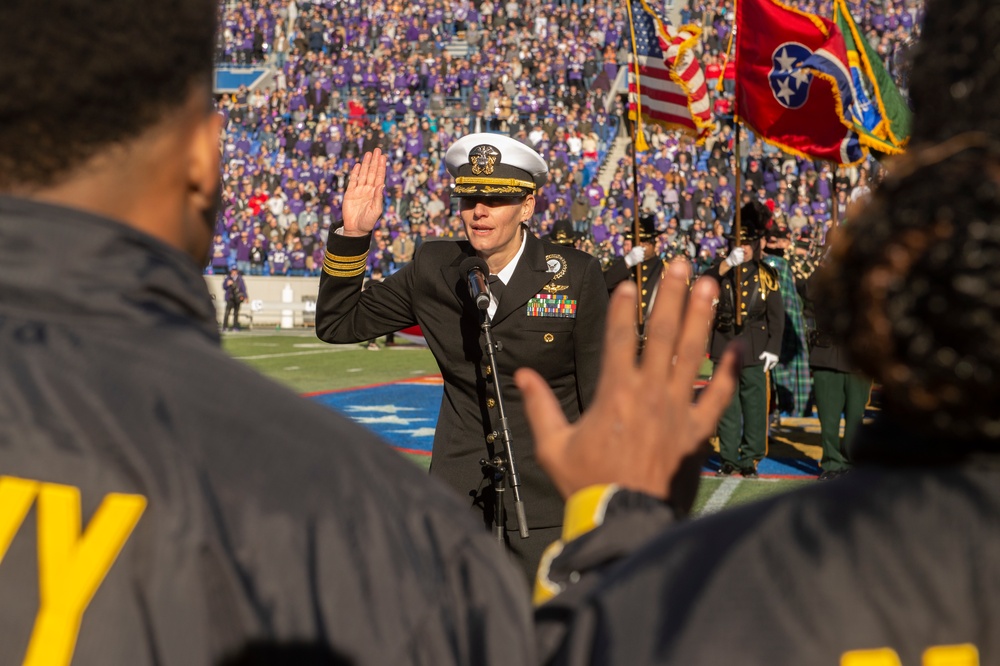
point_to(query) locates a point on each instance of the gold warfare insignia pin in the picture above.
(557, 266)
(483, 159)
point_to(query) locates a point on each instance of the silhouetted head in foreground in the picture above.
(108, 108)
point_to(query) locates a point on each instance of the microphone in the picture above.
(475, 269)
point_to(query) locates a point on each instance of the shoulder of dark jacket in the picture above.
(570, 253)
(767, 270)
(442, 250)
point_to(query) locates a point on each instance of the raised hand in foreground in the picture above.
(643, 424)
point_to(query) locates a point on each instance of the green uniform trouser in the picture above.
(838, 393)
(743, 427)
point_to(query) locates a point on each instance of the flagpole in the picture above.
(738, 224)
(636, 125)
(636, 227)
(719, 85)
(834, 207)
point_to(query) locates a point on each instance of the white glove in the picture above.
(736, 257)
(635, 256)
(770, 360)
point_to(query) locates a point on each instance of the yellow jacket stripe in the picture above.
(585, 510)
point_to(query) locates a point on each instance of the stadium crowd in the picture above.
(351, 76)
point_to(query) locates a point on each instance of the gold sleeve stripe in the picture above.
(343, 265)
(585, 510)
(337, 257)
(336, 273)
(514, 182)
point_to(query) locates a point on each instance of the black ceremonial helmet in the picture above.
(562, 233)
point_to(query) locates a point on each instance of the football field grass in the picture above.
(346, 377)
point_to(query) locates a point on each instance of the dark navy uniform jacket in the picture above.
(825, 352)
(652, 271)
(550, 318)
(161, 503)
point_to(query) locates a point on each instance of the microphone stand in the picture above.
(502, 465)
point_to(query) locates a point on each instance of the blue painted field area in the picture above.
(405, 413)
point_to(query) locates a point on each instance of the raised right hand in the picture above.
(363, 198)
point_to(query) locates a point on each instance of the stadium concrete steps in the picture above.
(457, 47)
(619, 149)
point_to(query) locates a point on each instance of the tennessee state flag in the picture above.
(793, 81)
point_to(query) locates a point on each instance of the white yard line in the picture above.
(259, 357)
(329, 348)
(720, 498)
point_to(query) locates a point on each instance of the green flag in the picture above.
(880, 114)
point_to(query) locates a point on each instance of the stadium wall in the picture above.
(265, 296)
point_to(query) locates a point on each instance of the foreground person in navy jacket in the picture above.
(145, 516)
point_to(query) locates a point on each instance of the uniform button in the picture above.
(489, 370)
(548, 337)
(744, 293)
(491, 403)
(645, 277)
(490, 437)
(643, 292)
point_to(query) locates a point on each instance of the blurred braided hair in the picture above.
(914, 280)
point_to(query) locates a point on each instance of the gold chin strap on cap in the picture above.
(510, 182)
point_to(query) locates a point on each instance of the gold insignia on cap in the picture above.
(483, 159)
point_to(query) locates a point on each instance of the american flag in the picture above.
(671, 89)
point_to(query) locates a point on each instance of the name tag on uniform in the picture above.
(552, 305)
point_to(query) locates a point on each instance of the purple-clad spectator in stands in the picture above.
(297, 260)
(278, 259)
(242, 244)
(220, 255)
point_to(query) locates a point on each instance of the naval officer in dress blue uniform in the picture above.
(548, 304)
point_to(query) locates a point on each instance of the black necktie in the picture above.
(496, 287)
